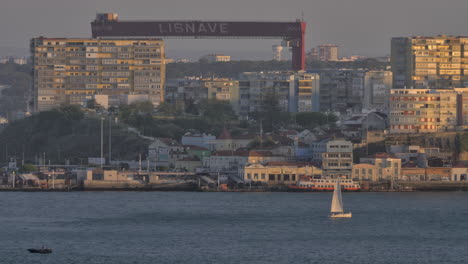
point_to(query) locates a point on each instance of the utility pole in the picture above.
(14, 179)
(110, 139)
(139, 163)
(102, 140)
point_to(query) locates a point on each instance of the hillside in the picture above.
(67, 134)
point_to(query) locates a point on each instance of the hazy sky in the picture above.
(362, 27)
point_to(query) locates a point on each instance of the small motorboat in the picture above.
(42, 250)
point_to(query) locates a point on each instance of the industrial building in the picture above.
(439, 62)
(73, 70)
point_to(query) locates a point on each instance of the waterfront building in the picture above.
(295, 91)
(280, 173)
(365, 172)
(388, 165)
(235, 161)
(459, 173)
(420, 156)
(72, 70)
(342, 90)
(429, 62)
(337, 160)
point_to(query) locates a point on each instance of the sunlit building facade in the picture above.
(73, 70)
(438, 62)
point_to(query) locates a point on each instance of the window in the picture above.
(263, 176)
(293, 177)
(271, 177)
(286, 177)
(249, 176)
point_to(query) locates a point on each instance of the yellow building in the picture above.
(430, 62)
(72, 70)
(365, 171)
(279, 172)
(223, 89)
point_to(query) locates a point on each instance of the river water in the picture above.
(192, 227)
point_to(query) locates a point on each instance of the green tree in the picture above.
(26, 168)
(271, 115)
(217, 111)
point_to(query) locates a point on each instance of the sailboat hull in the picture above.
(341, 215)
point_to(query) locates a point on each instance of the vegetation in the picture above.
(26, 168)
(313, 119)
(66, 133)
(232, 69)
(17, 78)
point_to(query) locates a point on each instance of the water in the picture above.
(175, 227)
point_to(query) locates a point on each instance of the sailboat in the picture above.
(337, 204)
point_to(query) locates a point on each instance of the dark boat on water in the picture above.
(42, 250)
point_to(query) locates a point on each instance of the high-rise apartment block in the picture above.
(74, 70)
(377, 85)
(430, 62)
(328, 52)
(295, 91)
(337, 161)
(341, 90)
(428, 110)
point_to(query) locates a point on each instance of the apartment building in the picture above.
(196, 89)
(428, 110)
(377, 85)
(337, 160)
(342, 90)
(430, 62)
(72, 70)
(328, 52)
(295, 91)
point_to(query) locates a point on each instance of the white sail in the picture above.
(337, 202)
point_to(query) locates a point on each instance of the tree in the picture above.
(168, 109)
(271, 115)
(26, 168)
(70, 112)
(92, 104)
(217, 111)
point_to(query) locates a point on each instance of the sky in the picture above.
(359, 27)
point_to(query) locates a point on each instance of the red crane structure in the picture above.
(108, 25)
